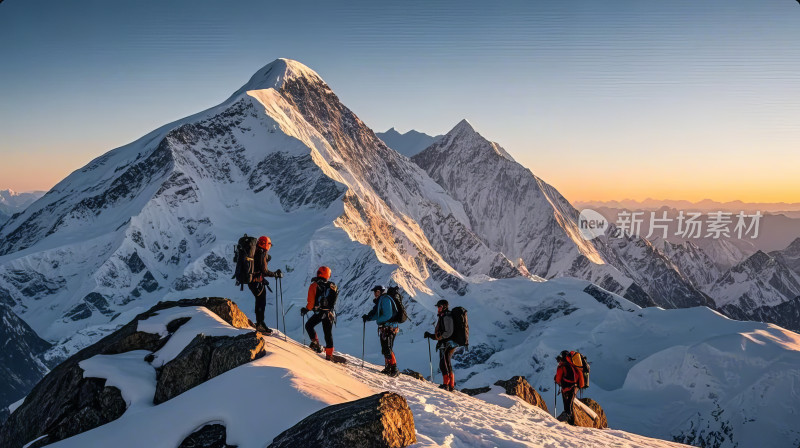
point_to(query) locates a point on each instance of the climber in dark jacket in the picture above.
(383, 311)
(260, 284)
(446, 346)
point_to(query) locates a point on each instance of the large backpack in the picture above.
(244, 256)
(460, 326)
(576, 360)
(400, 314)
(583, 365)
(327, 294)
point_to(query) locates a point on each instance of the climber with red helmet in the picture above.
(321, 300)
(258, 286)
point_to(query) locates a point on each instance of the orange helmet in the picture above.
(264, 242)
(324, 272)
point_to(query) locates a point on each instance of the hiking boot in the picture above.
(314, 345)
(451, 388)
(445, 387)
(385, 370)
(263, 328)
(329, 353)
(393, 372)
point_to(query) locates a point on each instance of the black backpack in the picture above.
(327, 294)
(400, 314)
(460, 326)
(244, 256)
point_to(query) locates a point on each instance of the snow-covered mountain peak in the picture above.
(463, 126)
(758, 260)
(275, 74)
(793, 248)
(470, 143)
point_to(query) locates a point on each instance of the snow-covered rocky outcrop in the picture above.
(255, 402)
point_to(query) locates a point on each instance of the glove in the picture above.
(428, 335)
(278, 274)
(365, 318)
(303, 311)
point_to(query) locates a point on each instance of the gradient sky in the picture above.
(608, 99)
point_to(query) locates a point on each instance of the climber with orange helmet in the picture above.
(321, 300)
(258, 286)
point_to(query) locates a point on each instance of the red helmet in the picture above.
(324, 272)
(264, 242)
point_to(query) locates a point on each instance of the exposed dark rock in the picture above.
(602, 421)
(476, 391)
(134, 262)
(173, 325)
(379, 421)
(148, 282)
(413, 374)
(519, 386)
(209, 436)
(204, 358)
(99, 302)
(55, 399)
(79, 312)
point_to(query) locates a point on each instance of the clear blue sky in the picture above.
(603, 99)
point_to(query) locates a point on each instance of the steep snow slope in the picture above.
(257, 401)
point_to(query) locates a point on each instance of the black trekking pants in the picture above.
(568, 396)
(387, 335)
(260, 293)
(445, 360)
(327, 326)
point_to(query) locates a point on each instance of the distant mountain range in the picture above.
(791, 209)
(408, 144)
(12, 202)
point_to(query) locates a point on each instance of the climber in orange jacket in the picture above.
(321, 300)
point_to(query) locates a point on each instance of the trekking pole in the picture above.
(430, 359)
(363, 339)
(277, 320)
(283, 315)
(555, 400)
